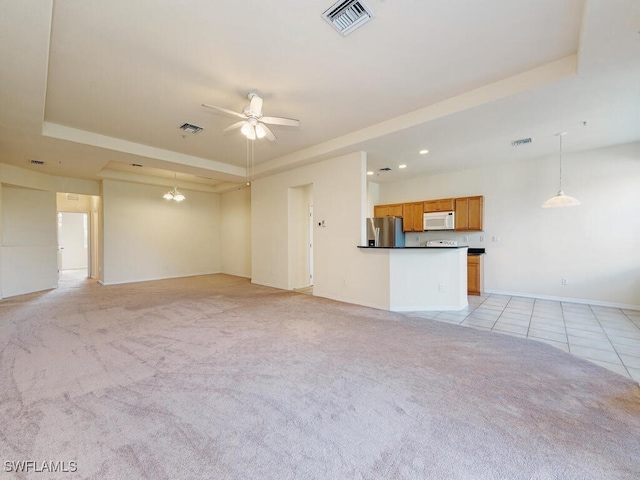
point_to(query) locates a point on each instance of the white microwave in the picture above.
(439, 221)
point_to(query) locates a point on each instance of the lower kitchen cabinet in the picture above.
(474, 275)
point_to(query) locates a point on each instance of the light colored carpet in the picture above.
(214, 378)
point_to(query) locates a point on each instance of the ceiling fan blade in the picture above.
(287, 122)
(255, 107)
(268, 133)
(224, 110)
(235, 125)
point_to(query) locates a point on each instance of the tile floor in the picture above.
(607, 336)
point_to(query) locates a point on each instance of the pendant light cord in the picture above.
(250, 160)
(561, 135)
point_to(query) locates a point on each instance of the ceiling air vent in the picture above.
(187, 127)
(522, 141)
(347, 15)
(36, 162)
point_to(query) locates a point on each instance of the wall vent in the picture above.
(522, 141)
(36, 162)
(188, 127)
(73, 197)
(347, 15)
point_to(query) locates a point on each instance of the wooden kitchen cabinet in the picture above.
(440, 205)
(393, 210)
(469, 212)
(412, 217)
(474, 275)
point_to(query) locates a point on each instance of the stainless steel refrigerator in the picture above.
(385, 232)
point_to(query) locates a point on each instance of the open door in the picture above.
(73, 241)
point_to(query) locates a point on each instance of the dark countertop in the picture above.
(471, 251)
(410, 248)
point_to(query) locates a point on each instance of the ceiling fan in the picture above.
(253, 122)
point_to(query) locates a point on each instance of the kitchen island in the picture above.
(419, 278)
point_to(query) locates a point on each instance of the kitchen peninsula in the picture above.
(419, 278)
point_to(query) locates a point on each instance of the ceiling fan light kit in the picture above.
(560, 199)
(253, 123)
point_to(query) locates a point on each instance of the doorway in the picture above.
(300, 233)
(78, 237)
(73, 244)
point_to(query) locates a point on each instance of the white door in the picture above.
(73, 240)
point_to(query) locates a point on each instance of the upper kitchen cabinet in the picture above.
(440, 205)
(413, 215)
(394, 210)
(469, 212)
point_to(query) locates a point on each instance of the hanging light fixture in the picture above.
(174, 194)
(560, 199)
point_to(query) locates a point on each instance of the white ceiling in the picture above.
(91, 87)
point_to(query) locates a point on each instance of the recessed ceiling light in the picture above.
(402, 166)
(369, 173)
(423, 152)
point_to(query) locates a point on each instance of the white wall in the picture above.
(595, 245)
(147, 237)
(29, 242)
(235, 232)
(341, 271)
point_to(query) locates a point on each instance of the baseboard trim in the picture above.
(583, 301)
(153, 279)
(436, 308)
(351, 301)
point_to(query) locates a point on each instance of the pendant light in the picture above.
(560, 199)
(174, 194)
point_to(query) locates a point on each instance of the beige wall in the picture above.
(594, 246)
(29, 240)
(235, 232)
(341, 271)
(28, 260)
(147, 237)
(72, 202)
